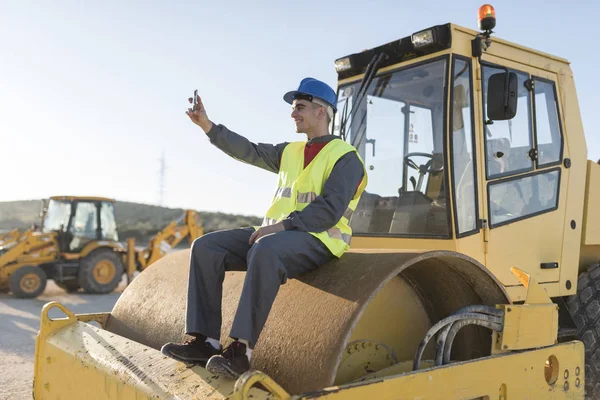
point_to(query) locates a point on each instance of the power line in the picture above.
(161, 187)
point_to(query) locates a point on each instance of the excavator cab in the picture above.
(79, 221)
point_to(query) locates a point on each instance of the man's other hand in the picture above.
(266, 230)
(198, 114)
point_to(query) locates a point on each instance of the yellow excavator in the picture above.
(473, 271)
(77, 245)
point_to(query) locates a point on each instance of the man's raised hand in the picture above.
(198, 114)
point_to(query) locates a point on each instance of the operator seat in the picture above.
(361, 217)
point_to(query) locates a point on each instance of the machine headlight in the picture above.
(343, 64)
(422, 39)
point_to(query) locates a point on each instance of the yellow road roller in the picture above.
(473, 272)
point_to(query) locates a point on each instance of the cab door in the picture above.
(523, 165)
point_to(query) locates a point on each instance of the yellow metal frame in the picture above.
(245, 383)
(530, 325)
(104, 365)
(91, 246)
(517, 375)
(591, 225)
(96, 244)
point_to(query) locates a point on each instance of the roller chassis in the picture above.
(106, 365)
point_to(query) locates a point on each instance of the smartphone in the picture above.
(195, 98)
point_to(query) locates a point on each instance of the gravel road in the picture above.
(19, 323)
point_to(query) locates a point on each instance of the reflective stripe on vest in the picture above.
(306, 197)
(284, 192)
(337, 234)
(269, 221)
(348, 213)
(310, 196)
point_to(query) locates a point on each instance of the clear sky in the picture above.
(92, 92)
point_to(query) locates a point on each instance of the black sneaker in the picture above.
(232, 363)
(194, 351)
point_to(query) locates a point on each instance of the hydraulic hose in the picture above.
(435, 328)
(441, 341)
(488, 323)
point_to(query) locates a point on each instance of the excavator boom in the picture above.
(188, 225)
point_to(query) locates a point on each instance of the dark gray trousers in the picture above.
(269, 263)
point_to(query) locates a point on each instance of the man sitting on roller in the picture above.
(307, 225)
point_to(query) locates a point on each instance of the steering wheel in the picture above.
(426, 168)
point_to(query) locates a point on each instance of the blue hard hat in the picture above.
(314, 88)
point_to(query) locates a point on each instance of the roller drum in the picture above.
(371, 307)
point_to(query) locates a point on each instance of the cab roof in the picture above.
(82, 198)
(442, 36)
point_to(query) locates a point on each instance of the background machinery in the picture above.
(77, 245)
(9, 236)
(473, 272)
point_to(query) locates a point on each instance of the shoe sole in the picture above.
(190, 361)
(222, 370)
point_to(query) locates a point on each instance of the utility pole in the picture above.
(161, 189)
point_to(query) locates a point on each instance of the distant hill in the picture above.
(140, 221)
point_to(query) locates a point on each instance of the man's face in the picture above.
(306, 115)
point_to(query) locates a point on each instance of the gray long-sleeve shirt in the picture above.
(339, 188)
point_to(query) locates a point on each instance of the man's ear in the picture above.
(323, 113)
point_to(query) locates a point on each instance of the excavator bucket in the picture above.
(353, 325)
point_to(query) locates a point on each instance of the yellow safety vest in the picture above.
(298, 186)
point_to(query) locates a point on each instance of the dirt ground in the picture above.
(19, 323)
